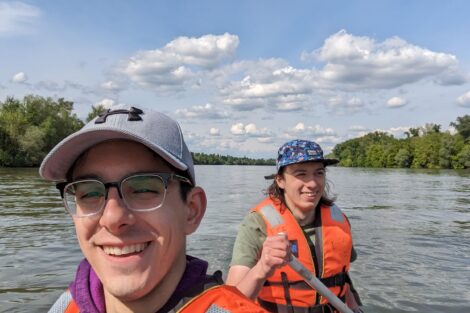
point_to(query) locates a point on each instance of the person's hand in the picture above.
(275, 253)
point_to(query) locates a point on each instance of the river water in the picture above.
(411, 229)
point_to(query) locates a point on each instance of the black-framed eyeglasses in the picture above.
(140, 192)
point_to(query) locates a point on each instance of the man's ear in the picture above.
(196, 203)
(280, 181)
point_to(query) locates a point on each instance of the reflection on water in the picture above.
(411, 229)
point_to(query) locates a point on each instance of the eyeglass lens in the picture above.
(140, 193)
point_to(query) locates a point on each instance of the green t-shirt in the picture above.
(250, 238)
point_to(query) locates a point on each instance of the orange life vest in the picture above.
(221, 298)
(329, 262)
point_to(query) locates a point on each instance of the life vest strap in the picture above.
(337, 280)
(282, 308)
(297, 285)
(285, 285)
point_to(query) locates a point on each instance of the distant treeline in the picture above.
(216, 159)
(31, 127)
(423, 147)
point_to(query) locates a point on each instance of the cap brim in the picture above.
(272, 176)
(330, 161)
(59, 160)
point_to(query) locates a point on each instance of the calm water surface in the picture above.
(411, 230)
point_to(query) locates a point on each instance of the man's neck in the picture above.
(304, 218)
(155, 299)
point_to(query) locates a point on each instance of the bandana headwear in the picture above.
(297, 151)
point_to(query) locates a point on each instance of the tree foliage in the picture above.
(463, 126)
(95, 111)
(423, 147)
(29, 128)
(217, 159)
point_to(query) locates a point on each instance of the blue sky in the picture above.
(243, 77)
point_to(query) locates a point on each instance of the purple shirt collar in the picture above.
(87, 290)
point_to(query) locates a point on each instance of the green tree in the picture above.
(463, 126)
(414, 132)
(403, 158)
(33, 126)
(217, 159)
(32, 146)
(95, 111)
(450, 147)
(463, 158)
(426, 151)
(431, 128)
(375, 156)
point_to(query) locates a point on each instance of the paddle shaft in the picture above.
(318, 286)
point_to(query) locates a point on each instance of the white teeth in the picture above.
(124, 250)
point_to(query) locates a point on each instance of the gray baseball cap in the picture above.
(153, 129)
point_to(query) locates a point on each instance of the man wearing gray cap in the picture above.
(127, 179)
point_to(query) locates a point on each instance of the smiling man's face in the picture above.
(131, 252)
(303, 185)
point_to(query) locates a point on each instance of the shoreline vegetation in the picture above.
(30, 127)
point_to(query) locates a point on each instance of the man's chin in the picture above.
(125, 289)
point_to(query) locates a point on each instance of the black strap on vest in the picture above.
(353, 290)
(285, 285)
(339, 279)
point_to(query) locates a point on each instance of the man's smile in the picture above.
(124, 250)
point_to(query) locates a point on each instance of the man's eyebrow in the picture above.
(298, 170)
(97, 177)
(88, 176)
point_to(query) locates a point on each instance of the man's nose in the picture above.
(311, 181)
(116, 216)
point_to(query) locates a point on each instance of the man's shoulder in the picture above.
(64, 304)
(222, 298)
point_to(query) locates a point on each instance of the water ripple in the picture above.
(411, 230)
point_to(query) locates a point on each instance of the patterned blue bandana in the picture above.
(297, 151)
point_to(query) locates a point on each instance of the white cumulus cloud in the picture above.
(396, 102)
(271, 84)
(17, 17)
(175, 66)
(342, 104)
(356, 62)
(206, 51)
(19, 78)
(214, 131)
(206, 111)
(358, 128)
(250, 130)
(113, 86)
(106, 103)
(464, 100)
(309, 131)
(351, 63)
(237, 129)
